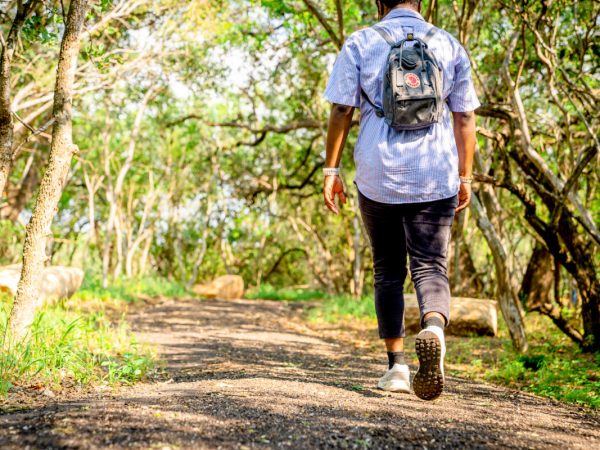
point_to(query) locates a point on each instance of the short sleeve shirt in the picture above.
(402, 166)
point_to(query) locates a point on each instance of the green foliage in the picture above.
(66, 347)
(128, 368)
(97, 54)
(553, 367)
(268, 292)
(44, 28)
(341, 307)
(128, 290)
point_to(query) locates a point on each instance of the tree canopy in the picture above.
(200, 129)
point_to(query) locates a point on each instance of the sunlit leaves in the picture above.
(44, 28)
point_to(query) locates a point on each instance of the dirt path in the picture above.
(242, 376)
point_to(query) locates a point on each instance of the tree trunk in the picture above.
(538, 279)
(587, 280)
(61, 153)
(20, 195)
(92, 184)
(145, 252)
(357, 272)
(114, 193)
(458, 229)
(203, 247)
(509, 303)
(536, 289)
(6, 119)
(118, 268)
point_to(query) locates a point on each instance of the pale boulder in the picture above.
(226, 287)
(467, 316)
(57, 281)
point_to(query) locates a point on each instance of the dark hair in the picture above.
(394, 3)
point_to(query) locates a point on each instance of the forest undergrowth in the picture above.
(83, 342)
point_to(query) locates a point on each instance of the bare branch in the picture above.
(324, 22)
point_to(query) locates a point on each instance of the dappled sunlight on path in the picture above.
(240, 376)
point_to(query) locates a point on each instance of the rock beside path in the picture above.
(226, 287)
(468, 316)
(57, 281)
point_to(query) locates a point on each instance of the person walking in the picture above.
(413, 171)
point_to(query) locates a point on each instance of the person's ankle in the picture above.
(395, 358)
(434, 320)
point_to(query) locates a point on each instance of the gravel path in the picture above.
(244, 376)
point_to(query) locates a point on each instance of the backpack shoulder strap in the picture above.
(384, 34)
(429, 35)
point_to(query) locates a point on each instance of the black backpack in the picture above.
(412, 84)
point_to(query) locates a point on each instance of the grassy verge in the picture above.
(553, 367)
(268, 292)
(127, 290)
(77, 344)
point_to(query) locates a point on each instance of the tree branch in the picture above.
(323, 21)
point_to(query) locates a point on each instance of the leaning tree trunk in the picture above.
(541, 275)
(61, 153)
(509, 303)
(6, 120)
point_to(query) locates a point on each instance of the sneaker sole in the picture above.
(428, 383)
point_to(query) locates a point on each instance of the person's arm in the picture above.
(464, 135)
(340, 120)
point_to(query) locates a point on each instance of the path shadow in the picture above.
(242, 377)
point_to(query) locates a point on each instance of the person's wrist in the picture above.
(331, 171)
(466, 180)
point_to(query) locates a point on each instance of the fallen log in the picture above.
(57, 282)
(468, 316)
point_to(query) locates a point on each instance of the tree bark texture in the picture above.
(536, 291)
(536, 287)
(509, 303)
(6, 119)
(27, 299)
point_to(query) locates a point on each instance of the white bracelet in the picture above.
(328, 171)
(466, 180)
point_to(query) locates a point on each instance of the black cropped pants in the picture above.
(420, 231)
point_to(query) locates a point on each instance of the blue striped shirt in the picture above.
(402, 166)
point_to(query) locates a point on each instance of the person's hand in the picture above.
(464, 196)
(332, 186)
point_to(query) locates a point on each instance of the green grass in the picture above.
(268, 292)
(75, 342)
(553, 367)
(128, 290)
(342, 307)
(67, 347)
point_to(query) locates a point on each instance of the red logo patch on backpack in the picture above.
(412, 80)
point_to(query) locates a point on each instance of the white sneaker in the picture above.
(397, 379)
(429, 380)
